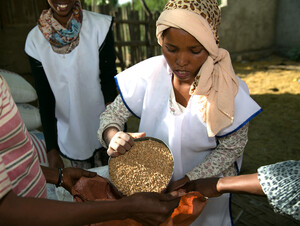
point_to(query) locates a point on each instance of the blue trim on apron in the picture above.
(244, 123)
(117, 83)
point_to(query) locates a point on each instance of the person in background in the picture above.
(23, 184)
(280, 182)
(72, 58)
(190, 98)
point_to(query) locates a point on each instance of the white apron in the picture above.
(145, 89)
(75, 83)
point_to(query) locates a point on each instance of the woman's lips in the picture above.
(182, 74)
(62, 7)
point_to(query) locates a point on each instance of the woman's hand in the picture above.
(205, 186)
(122, 142)
(151, 208)
(72, 175)
(176, 185)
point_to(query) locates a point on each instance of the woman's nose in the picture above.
(181, 60)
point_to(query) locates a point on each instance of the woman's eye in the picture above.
(170, 49)
(196, 51)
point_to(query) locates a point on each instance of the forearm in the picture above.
(221, 160)
(115, 116)
(51, 174)
(248, 184)
(109, 133)
(16, 210)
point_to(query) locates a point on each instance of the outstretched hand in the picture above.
(205, 186)
(152, 208)
(72, 175)
(176, 185)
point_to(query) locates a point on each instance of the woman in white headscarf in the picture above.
(190, 98)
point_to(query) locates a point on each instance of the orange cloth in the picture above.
(99, 189)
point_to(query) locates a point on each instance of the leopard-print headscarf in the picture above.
(216, 82)
(208, 9)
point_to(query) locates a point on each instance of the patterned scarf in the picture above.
(62, 40)
(216, 82)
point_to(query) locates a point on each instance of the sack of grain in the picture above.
(146, 167)
(21, 90)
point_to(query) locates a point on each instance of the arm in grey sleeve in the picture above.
(116, 115)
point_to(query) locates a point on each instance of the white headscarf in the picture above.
(216, 78)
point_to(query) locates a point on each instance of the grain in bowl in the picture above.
(146, 167)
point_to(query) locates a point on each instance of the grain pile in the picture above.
(147, 167)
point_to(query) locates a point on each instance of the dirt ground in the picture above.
(274, 134)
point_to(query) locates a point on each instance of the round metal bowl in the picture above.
(128, 176)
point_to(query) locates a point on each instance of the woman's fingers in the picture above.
(122, 142)
(137, 135)
(119, 144)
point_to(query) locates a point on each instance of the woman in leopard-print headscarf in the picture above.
(190, 98)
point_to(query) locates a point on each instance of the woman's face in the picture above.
(62, 9)
(184, 54)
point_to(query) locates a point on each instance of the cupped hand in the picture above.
(72, 175)
(152, 208)
(122, 142)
